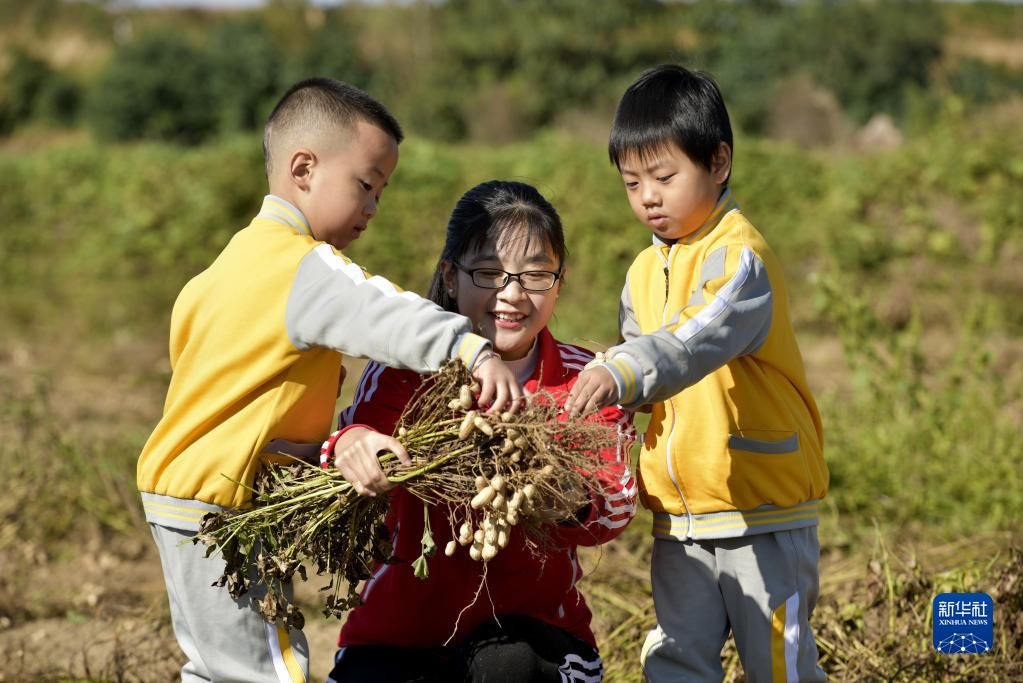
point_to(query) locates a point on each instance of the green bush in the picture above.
(156, 87)
(982, 82)
(747, 51)
(882, 50)
(165, 87)
(916, 443)
(25, 79)
(332, 52)
(501, 69)
(137, 221)
(245, 75)
(32, 89)
(153, 215)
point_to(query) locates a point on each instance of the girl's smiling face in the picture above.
(511, 317)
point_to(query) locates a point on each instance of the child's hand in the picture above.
(355, 454)
(594, 389)
(498, 385)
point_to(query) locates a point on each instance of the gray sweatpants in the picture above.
(762, 588)
(224, 639)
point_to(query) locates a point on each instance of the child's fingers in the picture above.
(371, 475)
(499, 388)
(583, 409)
(510, 396)
(501, 398)
(487, 390)
(395, 447)
(570, 401)
(378, 482)
(592, 391)
(369, 453)
(580, 396)
(597, 400)
(359, 464)
(352, 472)
(517, 397)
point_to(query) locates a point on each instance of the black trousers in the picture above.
(510, 649)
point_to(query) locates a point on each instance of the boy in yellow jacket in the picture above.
(732, 464)
(255, 348)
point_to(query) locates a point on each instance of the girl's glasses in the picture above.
(494, 278)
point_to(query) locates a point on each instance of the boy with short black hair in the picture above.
(255, 348)
(732, 462)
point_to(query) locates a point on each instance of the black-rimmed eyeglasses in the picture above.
(495, 278)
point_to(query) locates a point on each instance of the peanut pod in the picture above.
(464, 397)
(483, 498)
(483, 425)
(465, 430)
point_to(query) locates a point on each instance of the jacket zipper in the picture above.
(666, 262)
(671, 472)
(671, 433)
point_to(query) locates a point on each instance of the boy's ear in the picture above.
(721, 163)
(300, 168)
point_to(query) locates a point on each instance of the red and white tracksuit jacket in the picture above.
(400, 610)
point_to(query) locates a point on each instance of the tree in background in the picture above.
(158, 86)
(882, 51)
(166, 86)
(332, 52)
(245, 67)
(500, 69)
(495, 70)
(33, 90)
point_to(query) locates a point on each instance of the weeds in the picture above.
(919, 438)
(880, 629)
(57, 485)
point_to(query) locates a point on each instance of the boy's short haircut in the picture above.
(670, 104)
(318, 105)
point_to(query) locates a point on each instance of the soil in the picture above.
(103, 615)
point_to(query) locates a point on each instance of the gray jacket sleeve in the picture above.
(628, 326)
(335, 304)
(702, 337)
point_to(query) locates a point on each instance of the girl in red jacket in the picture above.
(502, 267)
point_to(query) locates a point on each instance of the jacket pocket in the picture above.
(764, 442)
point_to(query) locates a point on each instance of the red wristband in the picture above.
(327, 449)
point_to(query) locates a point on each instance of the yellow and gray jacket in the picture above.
(255, 349)
(734, 444)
